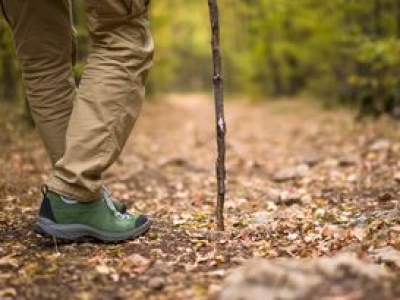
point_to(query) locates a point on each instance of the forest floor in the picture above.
(303, 182)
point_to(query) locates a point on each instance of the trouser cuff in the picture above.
(78, 193)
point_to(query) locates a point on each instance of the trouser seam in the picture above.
(96, 132)
(4, 12)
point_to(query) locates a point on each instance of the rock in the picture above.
(285, 175)
(385, 196)
(354, 178)
(290, 173)
(217, 273)
(261, 218)
(159, 267)
(8, 262)
(284, 197)
(397, 177)
(331, 162)
(289, 198)
(395, 229)
(360, 221)
(347, 161)
(104, 270)
(388, 255)
(320, 278)
(380, 145)
(137, 260)
(352, 248)
(319, 213)
(135, 263)
(8, 293)
(273, 195)
(156, 283)
(306, 199)
(311, 160)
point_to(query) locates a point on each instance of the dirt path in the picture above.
(303, 182)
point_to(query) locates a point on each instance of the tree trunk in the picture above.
(398, 18)
(377, 14)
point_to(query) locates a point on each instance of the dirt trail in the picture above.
(300, 180)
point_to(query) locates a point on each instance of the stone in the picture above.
(291, 173)
(309, 279)
(311, 160)
(156, 283)
(397, 177)
(273, 195)
(380, 145)
(284, 197)
(289, 198)
(347, 161)
(160, 267)
(352, 248)
(388, 255)
(262, 218)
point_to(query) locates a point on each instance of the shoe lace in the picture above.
(110, 203)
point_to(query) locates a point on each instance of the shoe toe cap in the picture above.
(142, 220)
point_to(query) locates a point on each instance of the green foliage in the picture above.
(9, 72)
(376, 76)
(341, 49)
(381, 63)
(182, 57)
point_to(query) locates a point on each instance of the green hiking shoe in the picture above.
(119, 206)
(67, 219)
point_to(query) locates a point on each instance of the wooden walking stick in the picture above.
(219, 112)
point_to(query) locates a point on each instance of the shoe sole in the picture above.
(75, 232)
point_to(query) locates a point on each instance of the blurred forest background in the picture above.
(341, 51)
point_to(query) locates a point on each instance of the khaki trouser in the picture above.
(85, 129)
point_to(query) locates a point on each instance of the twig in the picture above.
(55, 244)
(219, 111)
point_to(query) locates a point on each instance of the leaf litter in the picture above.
(303, 183)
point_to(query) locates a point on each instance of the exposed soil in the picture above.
(303, 182)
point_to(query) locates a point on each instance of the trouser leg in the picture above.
(109, 98)
(43, 41)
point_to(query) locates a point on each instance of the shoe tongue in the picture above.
(108, 200)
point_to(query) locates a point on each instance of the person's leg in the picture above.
(43, 39)
(110, 95)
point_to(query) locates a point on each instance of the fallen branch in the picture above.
(219, 111)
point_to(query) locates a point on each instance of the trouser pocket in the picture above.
(116, 8)
(138, 6)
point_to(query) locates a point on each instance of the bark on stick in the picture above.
(219, 111)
